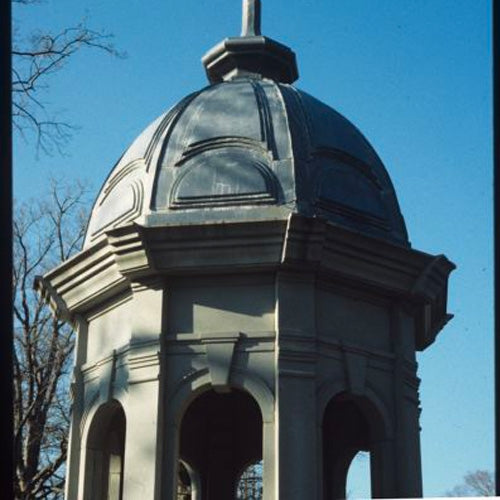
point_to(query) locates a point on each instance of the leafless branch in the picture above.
(44, 232)
(34, 60)
(479, 483)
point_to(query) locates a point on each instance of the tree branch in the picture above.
(33, 62)
(44, 232)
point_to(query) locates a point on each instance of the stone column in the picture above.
(297, 444)
(170, 460)
(406, 403)
(142, 438)
(74, 440)
(383, 469)
(269, 456)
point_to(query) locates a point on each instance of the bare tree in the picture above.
(34, 59)
(45, 233)
(479, 483)
(250, 485)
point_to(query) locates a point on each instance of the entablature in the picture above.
(296, 245)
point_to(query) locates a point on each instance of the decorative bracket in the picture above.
(220, 350)
(355, 365)
(107, 378)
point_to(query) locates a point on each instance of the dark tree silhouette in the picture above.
(45, 232)
(479, 483)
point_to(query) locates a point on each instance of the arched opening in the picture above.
(105, 454)
(221, 433)
(350, 426)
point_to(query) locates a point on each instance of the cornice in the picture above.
(410, 277)
(82, 282)
(295, 245)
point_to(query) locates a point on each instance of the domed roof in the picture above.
(250, 147)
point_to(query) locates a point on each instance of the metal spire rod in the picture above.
(250, 25)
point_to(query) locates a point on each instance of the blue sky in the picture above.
(413, 75)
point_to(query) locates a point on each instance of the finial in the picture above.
(250, 55)
(250, 24)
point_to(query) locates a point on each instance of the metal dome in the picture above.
(250, 147)
(244, 149)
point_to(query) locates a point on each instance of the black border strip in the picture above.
(6, 332)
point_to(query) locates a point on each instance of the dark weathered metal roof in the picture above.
(250, 147)
(244, 149)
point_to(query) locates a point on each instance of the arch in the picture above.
(200, 381)
(258, 389)
(227, 175)
(96, 400)
(194, 479)
(104, 452)
(194, 384)
(121, 200)
(345, 431)
(351, 423)
(89, 410)
(369, 401)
